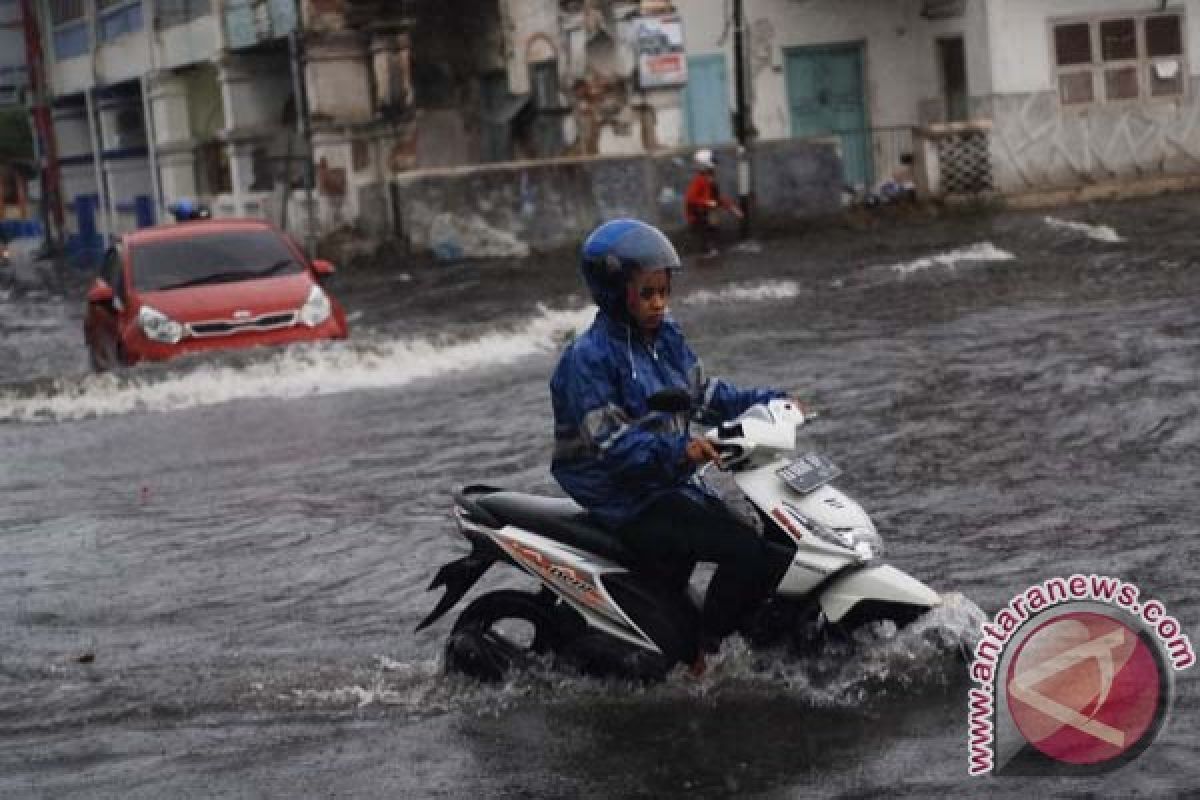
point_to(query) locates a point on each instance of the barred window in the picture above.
(1131, 57)
(169, 13)
(66, 11)
(116, 18)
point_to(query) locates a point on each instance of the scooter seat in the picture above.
(557, 518)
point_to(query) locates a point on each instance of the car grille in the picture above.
(228, 327)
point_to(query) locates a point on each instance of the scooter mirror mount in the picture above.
(670, 400)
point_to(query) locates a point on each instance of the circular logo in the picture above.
(1085, 688)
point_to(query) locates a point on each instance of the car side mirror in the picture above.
(670, 400)
(100, 293)
(323, 268)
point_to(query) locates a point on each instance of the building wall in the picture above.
(124, 58)
(1020, 35)
(188, 43)
(1036, 143)
(972, 26)
(898, 76)
(13, 73)
(512, 209)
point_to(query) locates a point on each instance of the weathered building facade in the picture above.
(325, 114)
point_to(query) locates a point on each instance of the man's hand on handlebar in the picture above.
(700, 451)
(807, 409)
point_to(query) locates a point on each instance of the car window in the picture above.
(110, 271)
(210, 258)
(118, 272)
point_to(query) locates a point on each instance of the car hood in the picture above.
(220, 301)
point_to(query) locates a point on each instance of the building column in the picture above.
(173, 136)
(252, 95)
(341, 106)
(177, 166)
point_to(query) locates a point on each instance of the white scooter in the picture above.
(598, 614)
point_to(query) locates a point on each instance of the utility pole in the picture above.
(295, 54)
(742, 118)
(43, 128)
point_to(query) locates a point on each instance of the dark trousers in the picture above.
(682, 528)
(704, 232)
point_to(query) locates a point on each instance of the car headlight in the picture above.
(158, 326)
(316, 308)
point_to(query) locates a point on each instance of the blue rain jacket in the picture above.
(611, 453)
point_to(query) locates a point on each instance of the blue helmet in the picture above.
(186, 209)
(614, 251)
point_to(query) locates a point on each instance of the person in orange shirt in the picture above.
(702, 201)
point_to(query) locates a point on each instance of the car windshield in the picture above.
(207, 258)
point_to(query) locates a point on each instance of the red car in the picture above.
(206, 285)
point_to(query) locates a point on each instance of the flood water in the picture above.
(210, 571)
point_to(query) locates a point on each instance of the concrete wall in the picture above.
(125, 58)
(512, 209)
(13, 73)
(898, 75)
(972, 26)
(903, 77)
(1038, 144)
(1020, 35)
(189, 43)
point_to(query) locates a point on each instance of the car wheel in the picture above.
(103, 355)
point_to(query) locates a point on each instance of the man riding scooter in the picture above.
(635, 469)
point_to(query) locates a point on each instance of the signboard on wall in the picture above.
(662, 60)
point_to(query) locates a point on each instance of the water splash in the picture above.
(1100, 233)
(321, 369)
(928, 655)
(769, 290)
(326, 368)
(982, 251)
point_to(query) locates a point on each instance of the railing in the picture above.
(955, 159)
(873, 156)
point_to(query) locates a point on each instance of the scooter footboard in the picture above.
(879, 585)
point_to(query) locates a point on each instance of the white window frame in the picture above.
(1097, 67)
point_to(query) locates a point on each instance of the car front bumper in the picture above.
(138, 348)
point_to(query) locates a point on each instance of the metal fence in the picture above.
(872, 156)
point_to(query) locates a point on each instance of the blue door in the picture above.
(825, 96)
(143, 206)
(706, 101)
(85, 215)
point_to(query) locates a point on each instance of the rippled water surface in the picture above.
(210, 571)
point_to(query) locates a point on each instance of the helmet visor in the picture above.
(646, 248)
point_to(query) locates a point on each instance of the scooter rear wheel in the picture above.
(501, 631)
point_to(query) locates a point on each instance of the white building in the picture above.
(162, 99)
(1048, 93)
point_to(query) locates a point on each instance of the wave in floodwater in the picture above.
(928, 655)
(982, 251)
(1100, 233)
(327, 368)
(769, 290)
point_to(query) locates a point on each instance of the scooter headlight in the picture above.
(316, 308)
(866, 544)
(158, 326)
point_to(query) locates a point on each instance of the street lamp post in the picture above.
(742, 119)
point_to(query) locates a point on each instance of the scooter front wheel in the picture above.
(501, 631)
